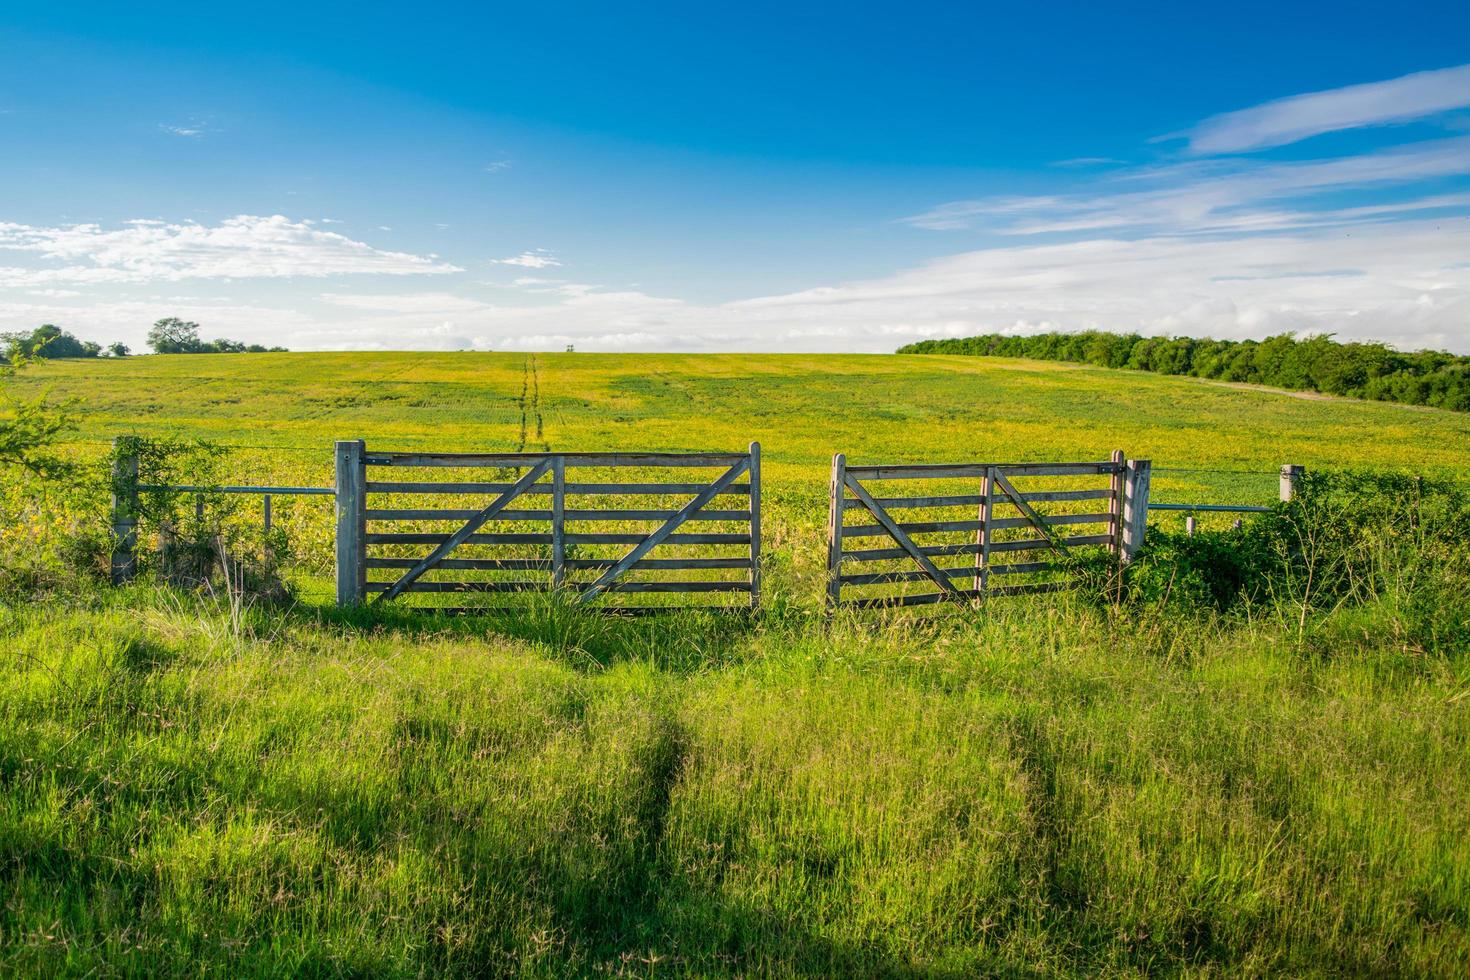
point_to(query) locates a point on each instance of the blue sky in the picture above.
(735, 176)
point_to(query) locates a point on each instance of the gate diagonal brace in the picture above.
(1030, 512)
(896, 532)
(471, 526)
(656, 538)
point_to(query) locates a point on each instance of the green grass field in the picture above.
(1038, 789)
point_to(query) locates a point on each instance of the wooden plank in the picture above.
(910, 527)
(476, 564)
(888, 554)
(661, 563)
(836, 501)
(428, 537)
(938, 471)
(1054, 496)
(985, 535)
(558, 522)
(883, 578)
(598, 489)
(1006, 523)
(421, 586)
(500, 460)
(450, 514)
(441, 514)
(652, 489)
(572, 564)
(1029, 544)
(638, 539)
(930, 598)
(897, 533)
(754, 579)
(1115, 506)
(466, 532)
(351, 502)
(656, 515)
(1024, 568)
(912, 503)
(603, 610)
(1029, 511)
(666, 530)
(622, 585)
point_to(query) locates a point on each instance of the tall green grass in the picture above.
(1042, 788)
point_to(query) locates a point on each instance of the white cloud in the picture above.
(1088, 162)
(536, 258)
(1406, 282)
(496, 166)
(1301, 116)
(1203, 196)
(243, 247)
(194, 129)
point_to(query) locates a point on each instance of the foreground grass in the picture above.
(1035, 790)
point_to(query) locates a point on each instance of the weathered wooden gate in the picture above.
(580, 536)
(1057, 507)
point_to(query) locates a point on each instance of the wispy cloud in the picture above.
(1083, 162)
(243, 247)
(194, 129)
(536, 258)
(496, 166)
(1299, 117)
(1212, 195)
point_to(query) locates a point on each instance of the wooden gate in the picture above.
(582, 536)
(976, 513)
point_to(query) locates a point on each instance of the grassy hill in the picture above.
(802, 408)
(1041, 788)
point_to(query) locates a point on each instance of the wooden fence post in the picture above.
(834, 532)
(1135, 506)
(351, 522)
(1290, 474)
(755, 525)
(124, 563)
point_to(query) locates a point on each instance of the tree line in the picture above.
(168, 336)
(1354, 370)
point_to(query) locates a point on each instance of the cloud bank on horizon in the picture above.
(1233, 230)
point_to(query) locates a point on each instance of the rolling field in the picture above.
(1039, 789)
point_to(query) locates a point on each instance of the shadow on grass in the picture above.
(677, 640)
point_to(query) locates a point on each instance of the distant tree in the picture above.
(1317, 363)
(49, 341)
(118, 349)
(174, 336)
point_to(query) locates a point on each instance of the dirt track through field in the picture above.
(530, 404)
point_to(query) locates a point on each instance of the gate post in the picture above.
(837, 495)
(755, 525)
(1118, 485)
(124, 561)
(1290, 474)
(1135, 506)
(351, 522)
